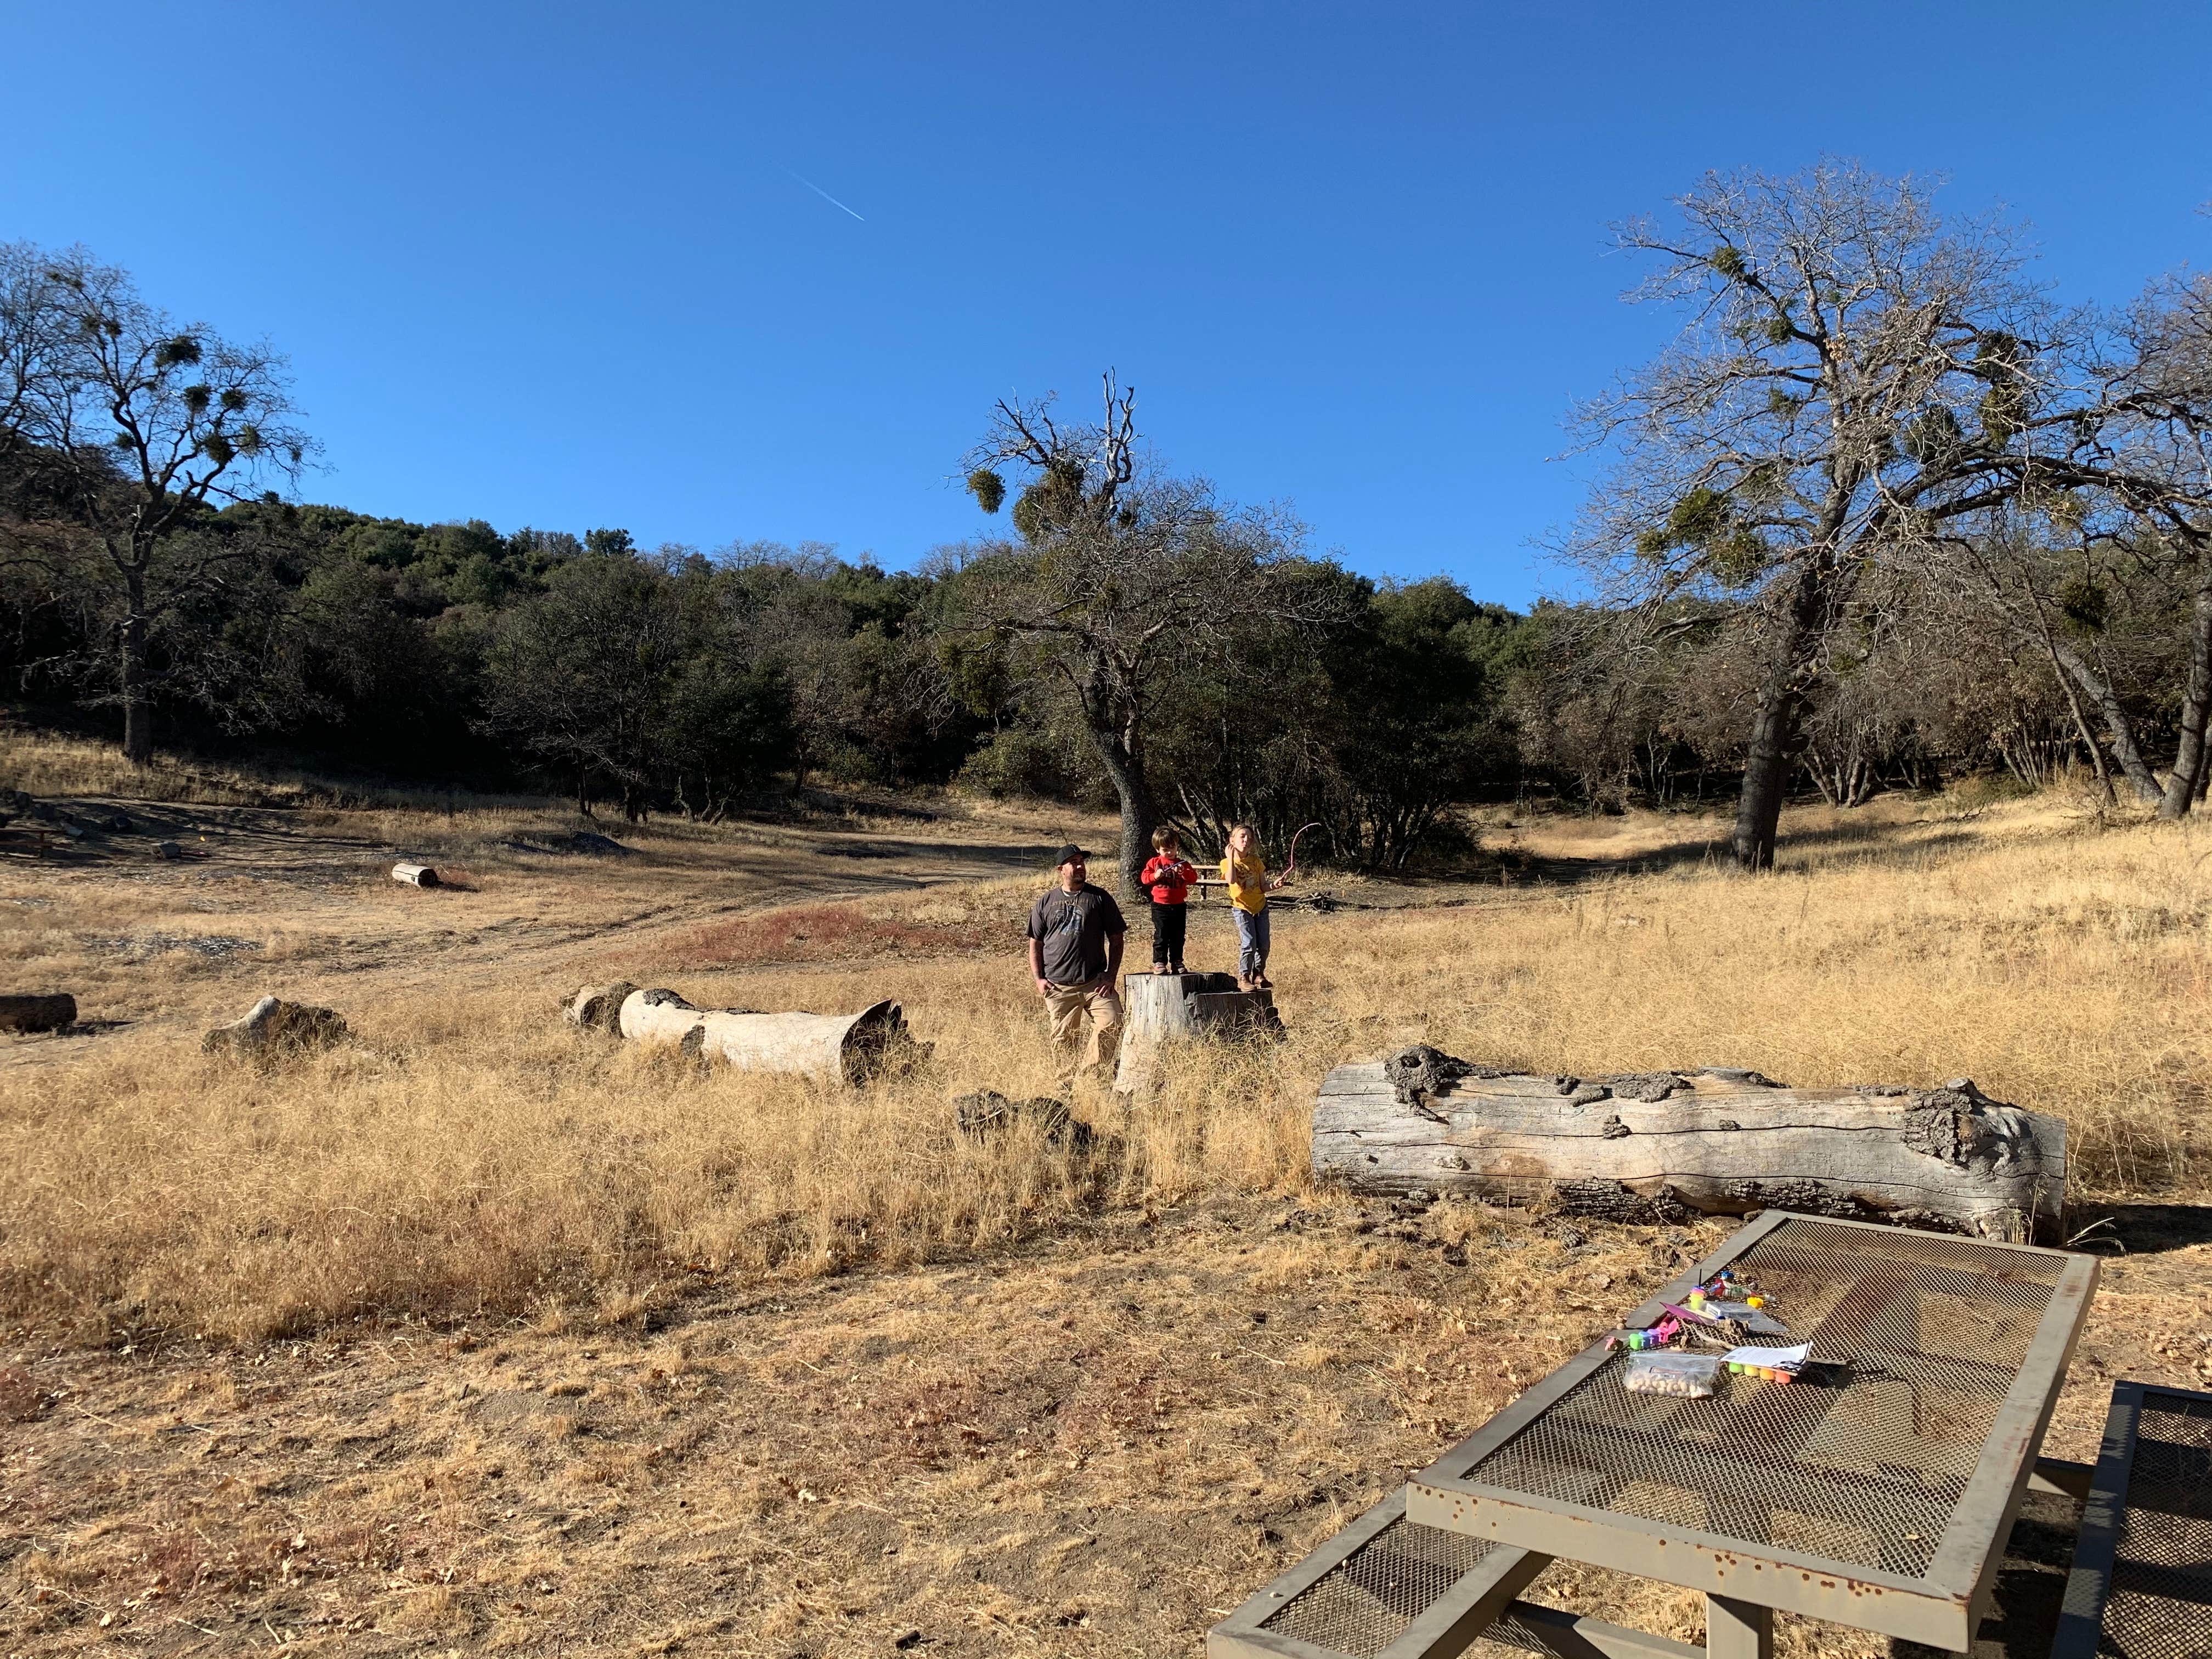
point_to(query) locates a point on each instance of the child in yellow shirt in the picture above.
(1249, 884)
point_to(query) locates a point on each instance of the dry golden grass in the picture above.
(471, 1154)
(1072, 1405)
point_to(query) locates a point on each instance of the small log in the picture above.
(1160, 1009)
(414, 875)
(598, 1007)
(829, 1047)
(1658, 1145)
(38, 1013)
(273, 1027)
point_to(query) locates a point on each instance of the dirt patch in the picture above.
(831, 933)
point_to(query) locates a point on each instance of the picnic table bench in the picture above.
(2142, 1583)
(1877, 1492)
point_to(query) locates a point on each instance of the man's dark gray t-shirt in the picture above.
(1072, 929)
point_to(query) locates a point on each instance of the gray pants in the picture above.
(1251, 945)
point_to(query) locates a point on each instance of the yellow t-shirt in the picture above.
(1248, 882)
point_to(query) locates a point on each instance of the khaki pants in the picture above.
(1071, 1006)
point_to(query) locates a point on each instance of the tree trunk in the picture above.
(2081, 723)
(1652, 1145)
(1162, 1010)
(2188, 757)
(1766, 773)
(138, 714)
(1120, 748)
(2118, 726)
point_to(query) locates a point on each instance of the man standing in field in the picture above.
(1076, 936)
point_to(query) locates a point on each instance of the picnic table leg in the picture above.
(1737, 1630)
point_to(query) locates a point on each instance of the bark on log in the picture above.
(1158, 1010)
(1657, 1145)
(37, 1013)
(829, 1047)
(414, 875)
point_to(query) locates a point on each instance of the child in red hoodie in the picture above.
(1170, 878)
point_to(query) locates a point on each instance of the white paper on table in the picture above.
(1780, 1359)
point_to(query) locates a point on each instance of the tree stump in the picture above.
(1658, 1145)
(829, 1047)
(1160, 1009)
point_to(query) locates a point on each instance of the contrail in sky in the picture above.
(824, 194)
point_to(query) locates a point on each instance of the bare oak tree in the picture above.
(1850, 370)
(135, 426)
(2138, 477)
(1117, 571)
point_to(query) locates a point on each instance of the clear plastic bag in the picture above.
(1684, 1376)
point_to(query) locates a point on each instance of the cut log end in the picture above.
(598, 1007)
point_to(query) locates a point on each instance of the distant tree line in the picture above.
(1882, 514)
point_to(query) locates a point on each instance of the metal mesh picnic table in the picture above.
(1875, 1492)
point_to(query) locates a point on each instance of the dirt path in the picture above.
(301, 902)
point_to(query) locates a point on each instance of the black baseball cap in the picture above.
(1069, 854)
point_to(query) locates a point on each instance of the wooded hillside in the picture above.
(1880, 513)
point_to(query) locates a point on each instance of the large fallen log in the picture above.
(1659, 1146)
(829, 1048)
(1160, 1009)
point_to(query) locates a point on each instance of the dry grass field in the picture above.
(481, 1333)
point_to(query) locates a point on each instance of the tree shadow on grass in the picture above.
(1873, 842)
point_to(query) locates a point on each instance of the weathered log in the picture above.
(274, 1027)
(37, 1013)
(1161, 1010)
(414, 875)
(1658, 1145)
(829, 1047)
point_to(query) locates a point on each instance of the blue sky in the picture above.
(548, 263)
